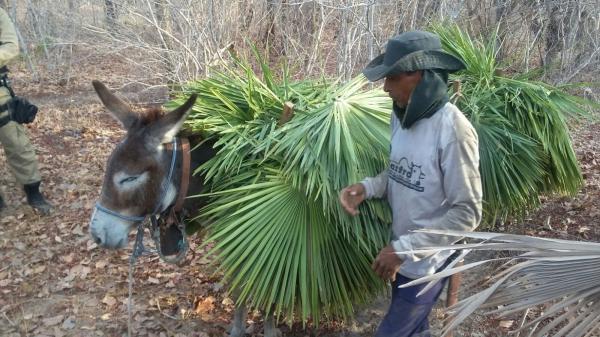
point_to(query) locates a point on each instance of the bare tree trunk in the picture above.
(501, 13)
(22, 45)
(164, 29)
(342, 43)
(111, 13)
(38, 30)
(212, 26)
(552, 34)
(370, 36)
(160, 8)
(435, 9)
(270, 34)
(319, 19)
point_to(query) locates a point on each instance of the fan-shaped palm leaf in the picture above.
(522, 124)
(548, 271)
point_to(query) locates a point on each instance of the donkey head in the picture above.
(134, 182)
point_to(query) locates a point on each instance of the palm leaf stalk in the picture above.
(280, 238)
(541, 273)
(525, 148)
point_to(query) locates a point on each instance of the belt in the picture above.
(5, 117)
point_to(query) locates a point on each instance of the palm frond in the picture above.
(281, 254)
(525, 146)
(561, 274)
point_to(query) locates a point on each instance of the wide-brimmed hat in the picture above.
(411, 51)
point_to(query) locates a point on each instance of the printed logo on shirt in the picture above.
(409, 175)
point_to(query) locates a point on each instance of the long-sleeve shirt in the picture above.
(432, 181)
(9, 47)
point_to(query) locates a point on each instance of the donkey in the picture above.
(136, 184)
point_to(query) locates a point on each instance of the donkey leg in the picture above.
(269, 327)
(239, 321)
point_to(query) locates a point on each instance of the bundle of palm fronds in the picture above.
(560, 273)
(280, 236)
(524, 141)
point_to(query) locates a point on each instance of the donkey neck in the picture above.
(201, 152)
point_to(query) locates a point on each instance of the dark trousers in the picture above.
(408, 314)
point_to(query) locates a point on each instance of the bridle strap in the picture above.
(185, 174)
(167, 182)
(119, 215)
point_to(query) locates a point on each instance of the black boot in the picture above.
(35, 199)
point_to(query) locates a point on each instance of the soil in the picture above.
(55, 281)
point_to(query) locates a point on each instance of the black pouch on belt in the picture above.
(21, 110)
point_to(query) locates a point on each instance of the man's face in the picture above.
(400, 86)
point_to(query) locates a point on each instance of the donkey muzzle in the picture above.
(110, 229)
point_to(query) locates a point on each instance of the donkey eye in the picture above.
(128, 179)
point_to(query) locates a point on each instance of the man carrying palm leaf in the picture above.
(433, 178)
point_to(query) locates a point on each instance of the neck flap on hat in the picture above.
(430, 94)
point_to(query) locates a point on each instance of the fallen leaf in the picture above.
(68, 258)
(109, 300)
(78, 231)
(217, 287)
(101, 264)
(57, 332)
(205, 306)
(84, 272)
(69, 323)
(53, 320)
(583, 229)
(227, 301)
(506, 324)
(91, 245)
(91, 302)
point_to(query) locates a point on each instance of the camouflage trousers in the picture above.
(19, 153)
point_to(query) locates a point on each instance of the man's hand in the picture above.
(351, 197)
(387, 263)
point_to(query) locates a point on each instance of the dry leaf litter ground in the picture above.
(55, 281)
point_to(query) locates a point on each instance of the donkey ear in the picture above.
(169, 125)
(119, 109)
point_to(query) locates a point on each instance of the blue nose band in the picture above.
(99, 208)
